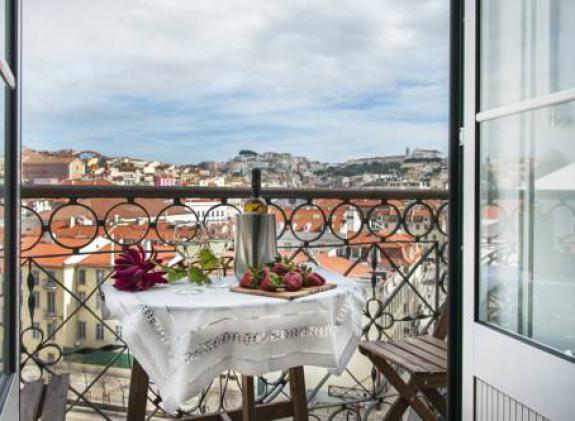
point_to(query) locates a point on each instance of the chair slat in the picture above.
(434, 341)
(427, 366)
(432, 349)
(439, 362)
(31, 397)
(442, 323)
(374, 350)
(390, 352)
(56, 398)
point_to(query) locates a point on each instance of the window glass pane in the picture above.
(527, 225)
(526, 49)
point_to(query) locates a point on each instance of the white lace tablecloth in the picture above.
(185, 341)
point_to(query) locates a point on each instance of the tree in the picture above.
(248, 152)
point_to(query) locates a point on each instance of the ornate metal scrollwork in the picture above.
(399, 248)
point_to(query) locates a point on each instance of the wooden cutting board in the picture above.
(285, 295)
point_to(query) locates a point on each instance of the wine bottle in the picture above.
(255, 204)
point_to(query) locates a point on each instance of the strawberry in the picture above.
(251, 279)
(271, 282)
(293, 281)
(314, 279)
(246, 280)
(303, 269)
(280, 268)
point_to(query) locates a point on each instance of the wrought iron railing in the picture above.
(393, 241)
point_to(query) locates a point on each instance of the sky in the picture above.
(190, 80)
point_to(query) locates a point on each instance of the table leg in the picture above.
(138, 398)
(248, 399)
(298, 393)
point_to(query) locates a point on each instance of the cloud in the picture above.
(187, 80)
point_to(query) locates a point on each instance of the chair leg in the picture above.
(138, 397)
(436, 399)
(396, 410)
(248, 399)
(407, 392)
(400, 405)
(298, 393)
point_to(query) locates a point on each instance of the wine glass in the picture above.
(219, 247)
(187, 289)
(221, 233)
(190, 251)
(220, 230)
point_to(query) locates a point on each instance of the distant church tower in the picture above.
(407, 152)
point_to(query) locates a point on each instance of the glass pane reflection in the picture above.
(527, 225)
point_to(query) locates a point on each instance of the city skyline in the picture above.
(185, 82)
(233, 155)
(422, 168)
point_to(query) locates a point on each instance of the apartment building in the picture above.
(39, 167)
(65, 287)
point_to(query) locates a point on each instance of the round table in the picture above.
(183, 341)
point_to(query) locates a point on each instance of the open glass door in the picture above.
(9, 211)
(519, 317)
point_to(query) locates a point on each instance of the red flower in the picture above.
(134, 272)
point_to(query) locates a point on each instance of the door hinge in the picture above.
(461, 136)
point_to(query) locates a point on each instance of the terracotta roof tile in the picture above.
(341, 265)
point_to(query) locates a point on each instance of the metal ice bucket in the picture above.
(255, 242)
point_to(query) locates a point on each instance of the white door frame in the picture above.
(468, 271)
(526, 373)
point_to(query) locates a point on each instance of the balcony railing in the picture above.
(394, 242)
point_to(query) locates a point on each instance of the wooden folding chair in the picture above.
(425, 359)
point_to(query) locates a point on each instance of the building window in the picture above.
(50, 329)
(51, 302)
(119, 333)
(51, 278)
(36, 330)
(81, 277)
(81, 330)
(99, 332)
(51, 357)
(98, 300)
(81, 297)
(36, 276)
(100, 275)
(36, 295)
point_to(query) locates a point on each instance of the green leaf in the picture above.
(197, 276)
(173, 273)
(277, 280)
(207, 259)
